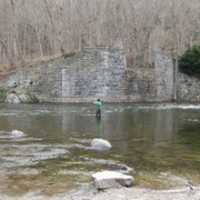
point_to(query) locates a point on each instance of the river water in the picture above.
(160, 141)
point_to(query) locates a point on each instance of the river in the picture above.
(160, 141)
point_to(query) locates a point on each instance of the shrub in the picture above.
(3, 93)
(189, 62)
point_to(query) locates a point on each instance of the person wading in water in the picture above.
(98, 104)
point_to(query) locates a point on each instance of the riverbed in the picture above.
(159, 141)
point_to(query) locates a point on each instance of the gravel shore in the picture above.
(142, 194)
(117, 194)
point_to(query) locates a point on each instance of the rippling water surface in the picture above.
(161, 142)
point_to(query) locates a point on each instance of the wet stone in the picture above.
(100, 145)
(111, 179)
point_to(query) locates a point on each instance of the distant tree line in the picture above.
(34, 29)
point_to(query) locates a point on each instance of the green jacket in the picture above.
(98, 104)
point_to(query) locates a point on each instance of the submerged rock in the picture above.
(111, 179)
(100, 145)
(122, 168)
(17, 134)
(49, 154)
(110, 165)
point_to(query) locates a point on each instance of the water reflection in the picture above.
(99, 128)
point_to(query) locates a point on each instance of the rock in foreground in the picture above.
(110, 179)
(100, 145)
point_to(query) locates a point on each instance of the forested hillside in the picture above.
(37, 29)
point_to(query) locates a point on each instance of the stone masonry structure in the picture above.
(101, 73)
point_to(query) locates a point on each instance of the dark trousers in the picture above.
(98, 113)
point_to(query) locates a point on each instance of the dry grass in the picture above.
(6, 69)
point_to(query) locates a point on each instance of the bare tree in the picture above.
(34, 29)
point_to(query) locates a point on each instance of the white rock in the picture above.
(17, 134)
(12, 84)
(100, 145)
(111, 179)
(13, 99)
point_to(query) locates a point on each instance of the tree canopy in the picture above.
(189, 62)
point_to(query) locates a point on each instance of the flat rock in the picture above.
(111, 179)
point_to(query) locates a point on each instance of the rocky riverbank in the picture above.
(141, 194)
(186, 193)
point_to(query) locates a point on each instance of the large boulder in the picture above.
(13, 99)
(100, 145)
(24, 98)
(28, 98)
(111, 179)
(12, 84)
(20, 97)
(17, 134)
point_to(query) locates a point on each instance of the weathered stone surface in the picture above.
(188, 88)
(13, 99)
(93, 73)
(102, 73)
(100, 145)
(24, 98)
(28, 98)
(111, 179)
(110, 165)
(164, 77)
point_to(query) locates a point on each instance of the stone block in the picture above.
(111, 179)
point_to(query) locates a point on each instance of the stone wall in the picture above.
(164, 73)
(96, 73)
(102, 73)
(188, 88)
